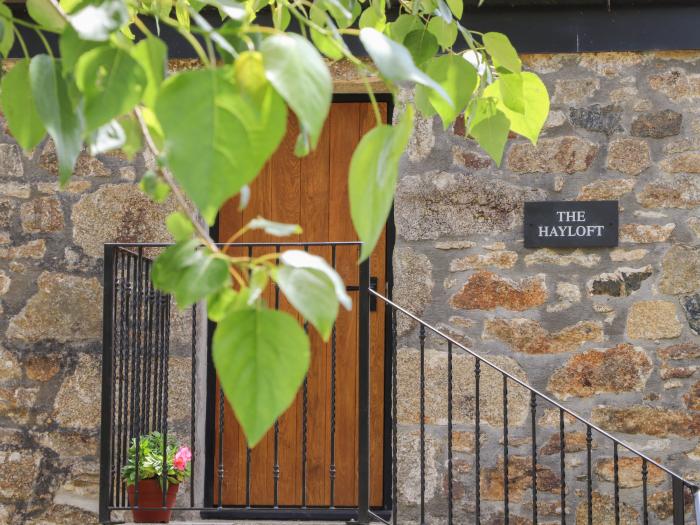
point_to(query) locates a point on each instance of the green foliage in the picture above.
(7, 32)
(297, 71)
(261, 357)
(489, 126)
(198, 134)
(111, 82)
(56, 111)
(153, 454)
(373, 175)
(156, 189)
(19, 108)
(211, 130)
(190, 272)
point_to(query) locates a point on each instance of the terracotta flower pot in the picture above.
(150, 495)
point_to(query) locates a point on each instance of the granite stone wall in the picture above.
(51, 325)
(610, 333)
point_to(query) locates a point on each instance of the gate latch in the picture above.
(373, 282)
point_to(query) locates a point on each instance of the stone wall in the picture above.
(611, 333)
(51, 324)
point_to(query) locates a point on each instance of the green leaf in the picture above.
(257, 284)
(344, 12)
(98, 21)
(156, 189)
(458, 78)
(133, 143)
(278, 229)
(311, 292)
(107, 137)
(456, 6)
(58, 115)
(374, 170)
(261, 357)
(189, 272)
(72, 47)
(489, 126)
(530, 121)
(169, 265)
(47, 15)
(403, 25)
(224, 301)
(511, 91)
(330, 46)
(395, 62)
(371, 18)
(502, 52)
(220, 140)
(112, 83)
(444, 32)
(299, 74)
(7, 33)
(182, 14)
(19, 106)
(151, 54)
(303, 259)
(179, 226)
(422, 45)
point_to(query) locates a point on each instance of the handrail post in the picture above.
(696, 505)
(363, 464)
(678, 488)
(106, 399)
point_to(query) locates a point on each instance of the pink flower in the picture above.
(182, 457)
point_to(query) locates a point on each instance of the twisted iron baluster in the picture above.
(506, 509)
(533, 417)
(589, 473)
(394, 419)
(562, 465)
(449, 433)
(421, 338)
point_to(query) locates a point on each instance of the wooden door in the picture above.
(312, 192)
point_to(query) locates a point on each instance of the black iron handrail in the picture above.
(678, 482)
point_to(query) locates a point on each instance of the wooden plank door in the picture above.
(312, 192)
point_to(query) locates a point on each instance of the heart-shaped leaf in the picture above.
(219, 141)
(502, 52)
(261, 357)
(298, 73)
(395, 62)
(189, 272)
(489, 126)
(311, 292)
(303, 259)
(112, 83)
(278, 229)
(535, 103)
(458, 78)
(7, 33)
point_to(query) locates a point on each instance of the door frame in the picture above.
(210, 434)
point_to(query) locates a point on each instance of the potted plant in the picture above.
(151, 480)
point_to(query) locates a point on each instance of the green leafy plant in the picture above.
(151, 465)
(212, 129)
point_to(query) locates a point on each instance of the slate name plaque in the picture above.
(571, 224)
